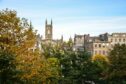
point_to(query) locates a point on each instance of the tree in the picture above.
(15, 34)
(53, 55)
(76, 68)
(117, 68)
(102, 63)
(54, 69)
(18, 36)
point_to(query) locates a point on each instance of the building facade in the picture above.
(78, 42)
(117, 38)
(98, 44)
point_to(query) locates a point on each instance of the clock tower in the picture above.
(48, 30)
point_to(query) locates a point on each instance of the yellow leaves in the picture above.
(99, 57)
(33, 65)
(53, 61)
(14, 33)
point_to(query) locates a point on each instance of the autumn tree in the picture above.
(18, 36)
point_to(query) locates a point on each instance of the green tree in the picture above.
(53, 55)
(78, 68)
(117, 68)
(73, 66)
(54, 69)
(102, 64)
(7, 68)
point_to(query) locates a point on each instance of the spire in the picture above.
(51, 21)
(46, 22)
(30, 25)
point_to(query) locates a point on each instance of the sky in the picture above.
(72, 17)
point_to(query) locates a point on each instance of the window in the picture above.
(90, 40)
(95, 45)
(99, 45)
(103, 52)
(124, 40)
(119, 40)
(103, 46)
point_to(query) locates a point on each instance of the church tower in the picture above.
(48, 31)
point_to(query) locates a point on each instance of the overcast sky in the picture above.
(72, 16)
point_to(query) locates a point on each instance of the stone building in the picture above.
(100, 47)
(98, 44)
(117, 38)
(78, 42)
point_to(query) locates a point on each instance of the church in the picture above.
(48, 40)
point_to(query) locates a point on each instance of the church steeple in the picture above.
(51, 22)
(48, 30)
(46, 22)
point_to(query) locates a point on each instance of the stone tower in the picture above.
(48, 30)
